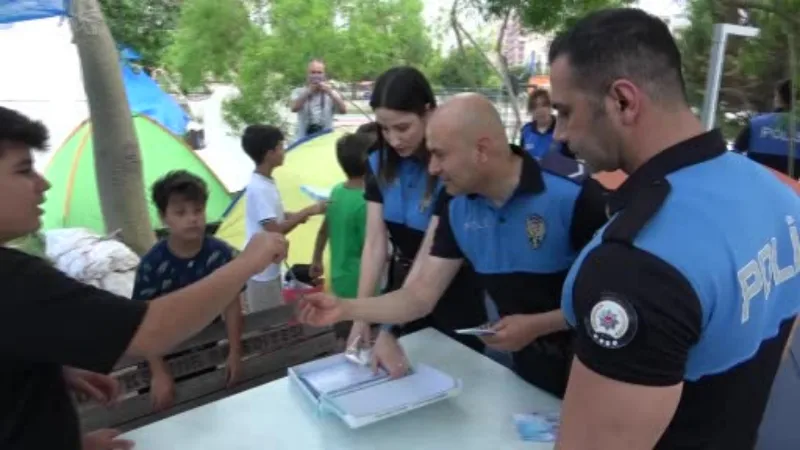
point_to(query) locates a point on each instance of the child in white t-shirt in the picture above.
(264, 210)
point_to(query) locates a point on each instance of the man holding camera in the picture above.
(315, 103)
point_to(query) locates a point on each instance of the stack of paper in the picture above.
(420, 387)
(360, 397)
(341, 377)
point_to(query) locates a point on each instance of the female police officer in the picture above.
(400, 207)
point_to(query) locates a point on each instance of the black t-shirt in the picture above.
(50, 321)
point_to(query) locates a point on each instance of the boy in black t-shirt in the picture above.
(185, 257)
(50, 320)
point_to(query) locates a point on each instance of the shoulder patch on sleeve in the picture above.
(612, 322)
(556, 163)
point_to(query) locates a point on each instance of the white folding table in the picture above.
(276, 416)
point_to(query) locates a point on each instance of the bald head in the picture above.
(469, 116)
(467, 141)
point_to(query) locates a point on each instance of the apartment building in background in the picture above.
(522, 48)
(525, 49)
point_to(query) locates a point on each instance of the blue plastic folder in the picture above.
(538, 427)
(360, 397)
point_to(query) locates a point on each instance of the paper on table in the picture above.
(341, 376)
(316, 193)
(538, 427)
(425, 383)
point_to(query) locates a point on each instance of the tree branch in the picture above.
(456, 29)
(502, 71)
(764, 7)
(502, 34)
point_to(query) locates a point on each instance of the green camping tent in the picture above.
(73, 200)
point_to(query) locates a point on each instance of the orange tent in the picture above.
(612, 180)
(538, 81)
(786, 179)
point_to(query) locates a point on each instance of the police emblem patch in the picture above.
(612, 322)
(536, 229)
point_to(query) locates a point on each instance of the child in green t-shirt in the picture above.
(345, 221)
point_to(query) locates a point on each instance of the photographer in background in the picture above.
(315, 103)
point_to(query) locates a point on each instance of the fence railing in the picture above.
(359, 101)
(271, 342)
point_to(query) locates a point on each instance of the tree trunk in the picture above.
(118, 164)
(501, 71)
(503, 62)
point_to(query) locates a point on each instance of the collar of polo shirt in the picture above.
(696, 150)
(530, 178)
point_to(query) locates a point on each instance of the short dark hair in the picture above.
(351, 151)
(622, 43)
(784, 91)
(178, 182)
(369, 127)
(18, 129)
(536, 95)
(258, 140)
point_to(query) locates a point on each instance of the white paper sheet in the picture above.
(341, 376)
(424, 384)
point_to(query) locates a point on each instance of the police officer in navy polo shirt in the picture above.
(683, 302)
(520, 225)
(766, 137)
(536, 136)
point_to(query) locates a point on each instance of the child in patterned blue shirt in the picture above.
(186, 256)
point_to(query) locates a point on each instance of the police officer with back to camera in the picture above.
(683, 302)
(517, 221)
(766, 138)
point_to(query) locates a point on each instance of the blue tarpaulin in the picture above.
(21, 10)
(146, 97)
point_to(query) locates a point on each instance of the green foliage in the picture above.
(378, 34)
(264, 47)
(752, 65)
(209, 40)
(548, 15)
(261, 90)
(467, 68)
(144, 25)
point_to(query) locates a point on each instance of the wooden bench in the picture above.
(271, 344)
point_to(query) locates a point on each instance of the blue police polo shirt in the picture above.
(521, 250)
(770, 134)
(535, 142)
(693, 280)
(409, 202)
(766, 141)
